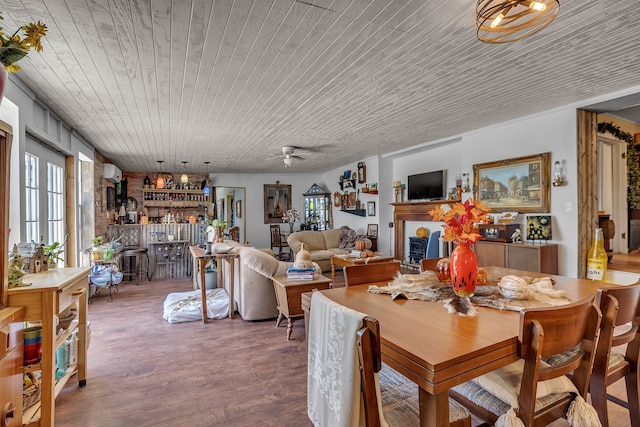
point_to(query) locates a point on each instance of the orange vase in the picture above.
(464, 270)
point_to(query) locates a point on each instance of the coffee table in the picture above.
(346, 261)
(288, 296)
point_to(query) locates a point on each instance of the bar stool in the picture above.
(133, 264)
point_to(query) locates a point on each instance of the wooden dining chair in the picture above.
(620, 309)
(543, 332)
(370, 273)
(234, 233)
(428, 264)
(279, 242)
(408, 414)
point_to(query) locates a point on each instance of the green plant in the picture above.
(218, 223)
(97, 241)
(633, 167)
(54, 251)
(13, 48)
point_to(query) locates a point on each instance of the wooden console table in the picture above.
(200, 260)
(540, 258)
(50, 293)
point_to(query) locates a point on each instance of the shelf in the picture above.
(369, 191)
(358, 212)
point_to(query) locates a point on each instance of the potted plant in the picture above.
(96, 251)
(210, 275)
(54, 252)
(215, 229)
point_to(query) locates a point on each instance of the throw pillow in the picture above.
(347, 238)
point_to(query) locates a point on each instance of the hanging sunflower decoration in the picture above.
(15, 47)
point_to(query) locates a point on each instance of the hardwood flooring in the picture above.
(143, 371)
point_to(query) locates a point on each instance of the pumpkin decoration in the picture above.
(422, 232)
(360, 245)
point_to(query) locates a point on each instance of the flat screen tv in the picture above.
(426, 186)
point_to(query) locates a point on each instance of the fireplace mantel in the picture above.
(410, 211)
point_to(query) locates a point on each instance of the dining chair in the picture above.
(234, 233)
(370, 273)
(433, 245)
(429, 264)
(278, 241)
(536, 392)
(621, 310)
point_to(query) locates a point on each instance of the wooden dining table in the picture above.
(438, 350)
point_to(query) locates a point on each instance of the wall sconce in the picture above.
(465, 183)
(558, 175)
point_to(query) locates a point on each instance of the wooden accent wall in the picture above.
(5, 162)
(587, 185)
(71, 207)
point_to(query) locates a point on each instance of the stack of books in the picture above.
(299, 273)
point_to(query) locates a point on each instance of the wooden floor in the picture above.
(625, 262)
(143, 371)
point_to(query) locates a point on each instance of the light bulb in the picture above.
(535, 5)
(496, 21)
(184, 178)
(287, 162)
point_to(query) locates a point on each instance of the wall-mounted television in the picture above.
(427, 186)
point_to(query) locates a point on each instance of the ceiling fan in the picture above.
(288, 156)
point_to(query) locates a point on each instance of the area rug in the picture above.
(400, 399)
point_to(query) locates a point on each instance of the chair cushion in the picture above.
(504, 383)
(491, 403)
(615, 358)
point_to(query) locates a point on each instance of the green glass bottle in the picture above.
(597, 258)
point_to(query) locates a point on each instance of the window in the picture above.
(55, 197)
(32, 207)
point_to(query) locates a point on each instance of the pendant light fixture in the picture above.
(206, 189)
(184, 178)
(504, 21)
(160, 180)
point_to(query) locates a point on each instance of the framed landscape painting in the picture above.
(520, 184)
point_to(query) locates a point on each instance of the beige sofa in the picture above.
(321, 245)
(253, 289)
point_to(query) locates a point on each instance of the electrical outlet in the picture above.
(568, 206)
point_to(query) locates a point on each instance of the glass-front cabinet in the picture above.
(317, 209)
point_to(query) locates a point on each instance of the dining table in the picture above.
(438, 350)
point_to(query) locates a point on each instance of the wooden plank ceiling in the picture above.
(232, 82)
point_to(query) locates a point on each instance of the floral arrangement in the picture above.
(291, 216)
(13, 48)
(461, 221)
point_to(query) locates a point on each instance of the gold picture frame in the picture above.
(277, 200)
(519, 184)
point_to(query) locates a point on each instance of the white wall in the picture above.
(552, 132)
(258, 233)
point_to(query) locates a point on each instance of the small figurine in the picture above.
(516, 237)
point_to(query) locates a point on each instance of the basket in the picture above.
(30, 393)
(64, 319)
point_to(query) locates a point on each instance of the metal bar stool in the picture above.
(135, 262)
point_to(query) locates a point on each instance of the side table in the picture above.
(288, 297)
